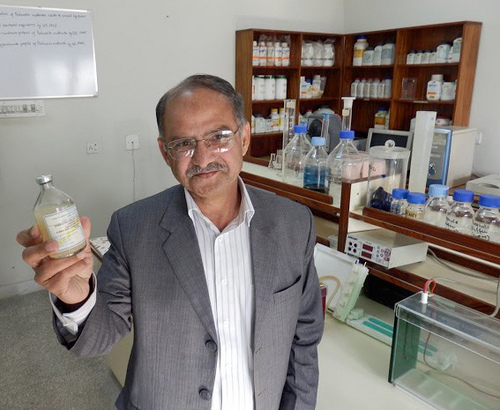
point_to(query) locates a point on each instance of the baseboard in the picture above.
(21, 288)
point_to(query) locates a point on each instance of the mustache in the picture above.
(213, 166)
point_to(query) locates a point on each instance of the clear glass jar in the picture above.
(315, 170)
(294, 155)
(459, 217)
(416, 205)
(437, 205)
(398, 202)
(486, 222)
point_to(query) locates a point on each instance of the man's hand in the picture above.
(67, 279)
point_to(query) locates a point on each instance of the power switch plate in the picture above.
(132, 142)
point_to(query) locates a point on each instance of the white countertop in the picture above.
(354, 369)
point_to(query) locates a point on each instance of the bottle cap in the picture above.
(346, 134)
(437, 77)
(300, 129)
(463, 195)
(317, 141)
(416, 198)
(399, 193)
(438, 190)
(43, 179)
(489, 200)
(361, 37)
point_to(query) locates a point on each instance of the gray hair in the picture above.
(202, 81)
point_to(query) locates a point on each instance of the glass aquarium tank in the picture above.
(446, 354)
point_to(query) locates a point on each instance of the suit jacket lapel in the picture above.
(182, 250)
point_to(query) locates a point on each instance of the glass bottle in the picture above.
(459, 217)
(294, 155)
(344, 162)
(486, 222)
(437, 205)
(416, 205)
(57, 218)
(315, 170)
(399, 203)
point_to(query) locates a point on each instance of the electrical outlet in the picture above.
(132, 142)
(479, 138)
(92, 148)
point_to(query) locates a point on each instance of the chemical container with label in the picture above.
(486, 222)
(387, 88)
(426, 56)
(368, 56)
(328, 55)
(380, 118)
(269, 88)
(281, 87)
(456, 48)
(388, 53)
(410, 57)
(270, 53)
(445, 354)
(361, 88)
(398, 201)
(448, 91)
(418, 57)
(260, 87)
(367, 88)
(434, 87)
(359, 47)
(387, 171)
(315, 170)
(459, 217)
(354, 88)
(294, 156)
(442, 52)
(278, 54)
(316, 87)
(262, 53)
(416, 205)
(437, 205)
(374, 88)
(285, 54)
(255, 54)
(57, 219)
(377, 55)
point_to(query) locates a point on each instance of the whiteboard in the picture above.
(46, 53)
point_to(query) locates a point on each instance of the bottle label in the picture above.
(481, 230)
(65, 228)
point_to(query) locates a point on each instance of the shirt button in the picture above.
(211, 345)
(205, 394)
(224, 282)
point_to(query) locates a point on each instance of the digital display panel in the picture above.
(366, 255)
(367, 247)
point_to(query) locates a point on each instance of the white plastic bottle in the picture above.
(388, 53)
(454, 55)
(262, 53)
(354, 87)
(437, 205)
(442, 52)
(281, 87)
(316, 87)
(410, 58)
(459, 217)
(381, 89)
(380, 118)
(328, 55)
(387, 88)
(486, 222)
(278, 54)
(255, 54)
(361, 88)
(434, 87)
(285, 54)
(426, 56)
(377, 55)
(367, 58)
(367, 88)
(275, 120)
(374, 88)
(359, 47)
(58, 220)
(270, 53)
(270, 88)
(418, 57)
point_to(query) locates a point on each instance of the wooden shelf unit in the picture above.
(343, 73)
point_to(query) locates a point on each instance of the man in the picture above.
(219, 277)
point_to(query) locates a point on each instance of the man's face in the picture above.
(208, 174)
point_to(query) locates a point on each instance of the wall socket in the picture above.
(92, 148)
(132, 142)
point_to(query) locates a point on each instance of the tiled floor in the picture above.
(38, 373)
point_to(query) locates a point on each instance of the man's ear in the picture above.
(163, 151)
(245, 138)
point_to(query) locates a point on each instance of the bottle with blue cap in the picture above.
(486, 222)
(294, 155)
(315, 170)
(416, 205)
(344, 163)
(459, 217)
(398, 201)
(437, 205)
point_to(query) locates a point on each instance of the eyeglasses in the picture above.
(217, 141)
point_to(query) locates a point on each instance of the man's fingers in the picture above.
(33, 255)
(47, 268)
(86, 226)
(29, 237)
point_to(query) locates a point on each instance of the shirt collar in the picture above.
(245, 213)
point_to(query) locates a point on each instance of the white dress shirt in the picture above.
(228, 272)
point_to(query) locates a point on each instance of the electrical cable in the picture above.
(335, 291)
(133, 172)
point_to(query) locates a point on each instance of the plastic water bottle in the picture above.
(399, 203)
(437, 205)
(459, 217)
(486, 222)
(344, 162)
(315, 170)
(294, 156)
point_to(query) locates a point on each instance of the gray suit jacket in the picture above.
(154, 272)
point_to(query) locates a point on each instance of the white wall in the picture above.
(367, 15)
(142, 49)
